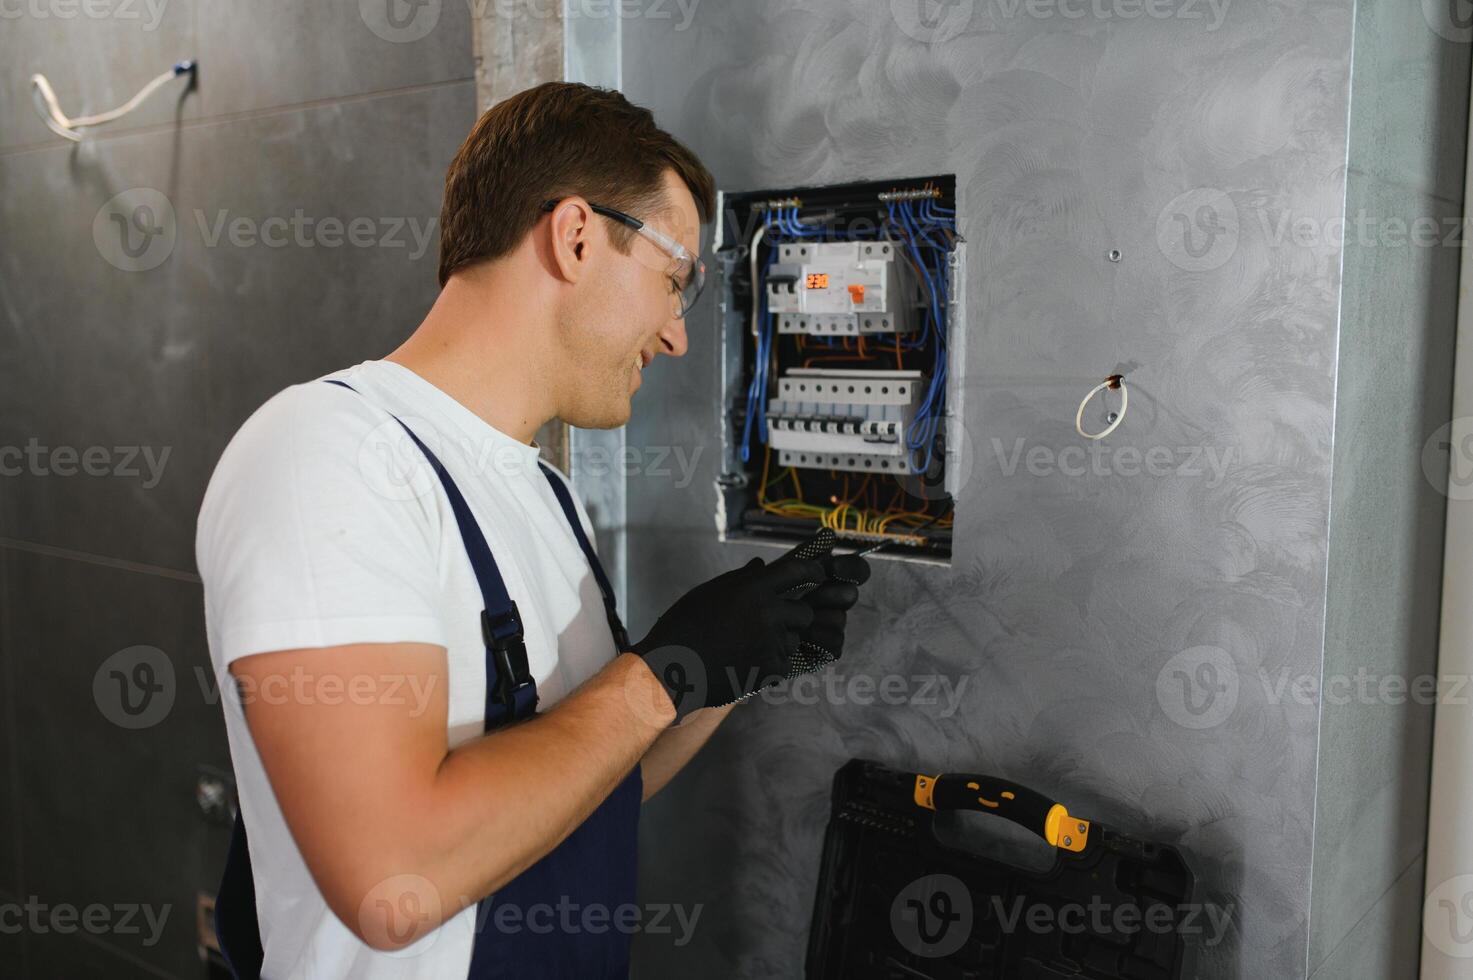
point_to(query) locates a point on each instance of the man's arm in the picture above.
(388, 817)
(676, 746)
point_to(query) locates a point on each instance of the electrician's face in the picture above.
(630, 315)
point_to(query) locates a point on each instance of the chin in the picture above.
(609, 416)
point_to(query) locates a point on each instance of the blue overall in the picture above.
(548, 934)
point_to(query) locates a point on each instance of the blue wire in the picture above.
(756, 402)
(915, 225)
(923, 428)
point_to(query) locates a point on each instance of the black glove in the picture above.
(823, 641)
(726, 638)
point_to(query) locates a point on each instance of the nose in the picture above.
(673, 338)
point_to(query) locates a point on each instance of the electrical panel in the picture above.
(841, 346)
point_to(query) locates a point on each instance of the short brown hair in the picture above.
(547, 142)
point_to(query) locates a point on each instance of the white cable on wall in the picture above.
(1113, 381)
(63, 125)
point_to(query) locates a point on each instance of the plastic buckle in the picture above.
(503, 635)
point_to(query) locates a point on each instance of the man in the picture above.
(393, 582)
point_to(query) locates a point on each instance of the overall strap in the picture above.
(616, 625)
(511, 693)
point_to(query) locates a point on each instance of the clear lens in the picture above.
(695, 281)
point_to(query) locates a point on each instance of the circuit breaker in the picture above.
(857, 421)
(838, 288)
(841, 317)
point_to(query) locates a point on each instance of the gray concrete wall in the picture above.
(324, 109)
(1120, 633)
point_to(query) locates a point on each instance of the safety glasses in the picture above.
(687, 272)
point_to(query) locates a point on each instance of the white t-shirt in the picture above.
(323, 525)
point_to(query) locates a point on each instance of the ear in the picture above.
(571, 231)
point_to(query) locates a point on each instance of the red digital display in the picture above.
(818, 280)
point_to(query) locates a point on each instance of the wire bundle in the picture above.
(917, 226)
(849, 513)
(926, 232)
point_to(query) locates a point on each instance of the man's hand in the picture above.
(823, 640)
(728, 637)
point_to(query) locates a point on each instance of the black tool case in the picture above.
(895, 903)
